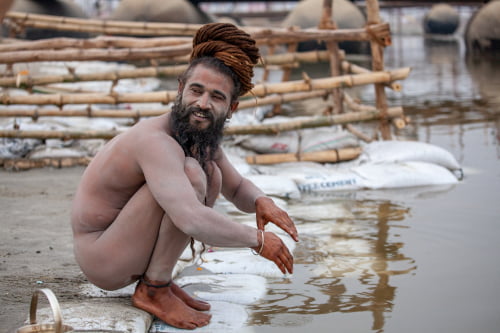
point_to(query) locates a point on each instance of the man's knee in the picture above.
(197, 177)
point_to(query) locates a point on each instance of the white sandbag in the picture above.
(408, 174)
(226, 317)
(306, 140)
(401, 151)
(243, 261)
(278, 186)
(326, 138)
(239, 262)
(283, 142)
(234, 288)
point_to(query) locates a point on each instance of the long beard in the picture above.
(201, 144)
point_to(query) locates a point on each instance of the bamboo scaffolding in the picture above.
(27, 81)
(325, 156)
(166, 97)
(232, 130)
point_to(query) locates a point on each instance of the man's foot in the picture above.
(164, 304)
(190, 301)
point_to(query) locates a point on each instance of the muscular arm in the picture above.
(249, 198)
(162, 162)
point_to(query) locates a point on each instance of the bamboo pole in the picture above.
(232, 130)
(89, 112)
(325, 156)
(169, 96)
(97, 42)
(377, 47)
(138, 113)
(18, 164)
(329, 83)
(96, 54)
(262, 35)
(318, 121)
(352, 68)
(28, 81)
(333, 49)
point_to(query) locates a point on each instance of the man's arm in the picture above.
(249, 198)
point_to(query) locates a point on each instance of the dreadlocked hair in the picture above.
(231, 45)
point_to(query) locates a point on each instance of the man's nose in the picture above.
(204, 101)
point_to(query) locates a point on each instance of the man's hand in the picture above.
(273, 248)
(267, 211)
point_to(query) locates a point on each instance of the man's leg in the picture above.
(156, 293)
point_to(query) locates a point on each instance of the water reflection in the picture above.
(343, 264)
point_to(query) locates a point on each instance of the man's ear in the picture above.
(233, 108)
(180, 88)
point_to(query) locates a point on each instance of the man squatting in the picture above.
(151, 189)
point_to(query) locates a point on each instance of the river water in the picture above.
(412, 260)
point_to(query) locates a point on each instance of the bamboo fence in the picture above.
(171, 43)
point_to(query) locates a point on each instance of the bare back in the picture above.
(114, 176)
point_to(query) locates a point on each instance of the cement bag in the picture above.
(407, 174)
(328, 180)
(401, 151)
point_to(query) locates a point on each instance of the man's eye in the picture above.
(218, 97)
(196, 91)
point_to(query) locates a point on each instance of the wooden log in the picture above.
(325, 156)
(18, 164)
(169, 96)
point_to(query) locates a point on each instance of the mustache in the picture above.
(191, 109)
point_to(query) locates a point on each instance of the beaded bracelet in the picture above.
(261, 244)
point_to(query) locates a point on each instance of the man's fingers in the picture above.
(289, 227)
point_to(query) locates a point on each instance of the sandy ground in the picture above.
(36, 247)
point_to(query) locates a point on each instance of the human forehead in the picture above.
(210, 79)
